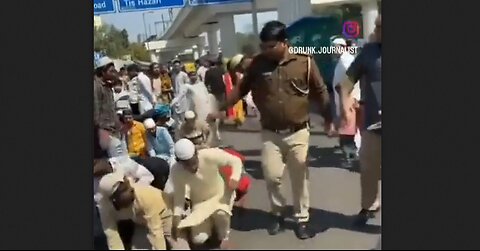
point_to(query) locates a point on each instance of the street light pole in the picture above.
(145, 24)
(163, 22)
(164, 25)
(254, 17)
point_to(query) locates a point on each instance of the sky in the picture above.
(133, 21)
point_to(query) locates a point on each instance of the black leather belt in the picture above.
(291, 129)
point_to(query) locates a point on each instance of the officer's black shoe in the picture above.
(303, 231)
(362, 217)
(277, 226)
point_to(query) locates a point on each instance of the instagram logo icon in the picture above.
(351, 29)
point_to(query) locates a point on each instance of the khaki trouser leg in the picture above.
(273, 167)
(299, 173)
(370, 168)
(179, 244)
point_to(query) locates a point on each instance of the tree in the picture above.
(115, 43)
(124, 35)
(138, 51)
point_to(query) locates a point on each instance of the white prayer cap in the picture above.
(149, 123)
(109, 183)
(184, 149)
(103, 61)
(189, 115)
(339, 41)
(235, 61)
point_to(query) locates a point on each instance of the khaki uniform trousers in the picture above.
(291, 150)
(219, 220)
(370, 169)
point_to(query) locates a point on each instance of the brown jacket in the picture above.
(281, 90)
(104, 115)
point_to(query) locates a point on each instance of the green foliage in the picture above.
(115, 43)
(139, 52)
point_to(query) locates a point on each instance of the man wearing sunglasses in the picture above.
(211, 196)
(282, 85)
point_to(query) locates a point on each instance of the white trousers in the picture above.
(220, 221)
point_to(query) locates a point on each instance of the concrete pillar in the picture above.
(196, 55)
(227, 35)
(198, 51)
(212, 41)
(153, 57)
(290, 11)
(201, 50)
(369, 13)
(166, 56)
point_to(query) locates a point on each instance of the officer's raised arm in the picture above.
(319, 91)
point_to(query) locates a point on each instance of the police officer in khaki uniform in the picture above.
(281, 84)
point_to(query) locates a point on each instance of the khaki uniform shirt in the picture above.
(281, 90)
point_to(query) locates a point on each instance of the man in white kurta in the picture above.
(141, 85)
(195, 97)
(344, 61)
(211, 196)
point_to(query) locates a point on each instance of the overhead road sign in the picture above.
(215, 2)
(146, 5)
(103, 7)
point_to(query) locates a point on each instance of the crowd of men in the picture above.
(158, 150)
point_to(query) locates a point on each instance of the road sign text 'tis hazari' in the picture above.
(129, 3)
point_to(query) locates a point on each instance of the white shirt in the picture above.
(130, 168)
(134, 90)
(180, 103)
(145, 88)
(199, 100)
(180, 80)
(346, 59)
(122, 100)
(201, 73)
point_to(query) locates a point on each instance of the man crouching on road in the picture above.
(211, 197)
(124, 200)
